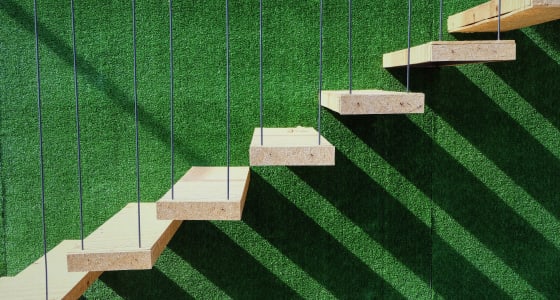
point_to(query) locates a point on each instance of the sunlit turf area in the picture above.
(462, 201)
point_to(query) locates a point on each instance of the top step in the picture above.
(515, 14)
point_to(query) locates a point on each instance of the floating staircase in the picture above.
(515, 14)
(450, 53)
(62, 284)
(297, 146)
(202, 194)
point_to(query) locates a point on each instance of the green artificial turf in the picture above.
(459, 202)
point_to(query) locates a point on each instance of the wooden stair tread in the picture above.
(449, 53)
(367, 102)
(201, 194)
(515, 14)
(297, 146)
(114, 245)
(30, 283)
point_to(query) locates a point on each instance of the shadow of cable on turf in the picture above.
(122, 99)
(145, 284)
(226, 264)
(309, 246)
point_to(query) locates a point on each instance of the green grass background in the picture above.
(460, 202)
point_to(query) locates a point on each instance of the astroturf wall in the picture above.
(461, 201)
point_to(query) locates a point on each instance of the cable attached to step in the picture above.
(41, 159)
(408, 51)
(171, 100)
(78, 129)
(350, 46)
(227, 97)
(320, 69)
(136, 118)
(261, 97)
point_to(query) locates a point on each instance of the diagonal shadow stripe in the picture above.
(462, 195)
(530, 76)
(304, 242)
(403, 234)
(227, 265)
(88, 71)
(145, 284)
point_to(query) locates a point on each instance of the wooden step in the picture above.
(449, 53)
(30, 283)
(201, 194)
(515, 14)
(297, 146)
(114, 245)
(369, 102)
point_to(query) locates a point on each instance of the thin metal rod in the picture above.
(320, 68)
(78, 130)
(261, 67)
(350, 46)
(136, 118)
(41, 160)
(499, 19)
(440, 20)
(408, 48)
(171, 99)
(227, 96)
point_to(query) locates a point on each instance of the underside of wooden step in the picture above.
(201, 194)
(297, 146)
(369, 102)
(515, 14)
(30, 283)
(114, 245)
(449, 53)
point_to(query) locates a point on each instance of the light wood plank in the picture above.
(515, 14)
(114, 245)
(297, 146)
(449, 53)
(30, 283)
(367, 102)
(201, 194)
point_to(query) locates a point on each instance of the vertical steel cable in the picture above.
(408, 51)
(320, 68)
(350, 46)
(78, 130)
(261, 66)
(136, 117)
(499, 19)
(440, 20)
(227, 97)
(171, 99)
(41, 160)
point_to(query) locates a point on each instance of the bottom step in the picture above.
(201, 194)
(290, 147)
(114, 245)
(370, 102)
(30, 283)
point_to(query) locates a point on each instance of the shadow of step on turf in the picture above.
(462, 195)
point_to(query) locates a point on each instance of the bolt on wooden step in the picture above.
(30, 283)
(372, 102)
(201, 194)
(114, 245)
(515, 14)
(450, 53)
